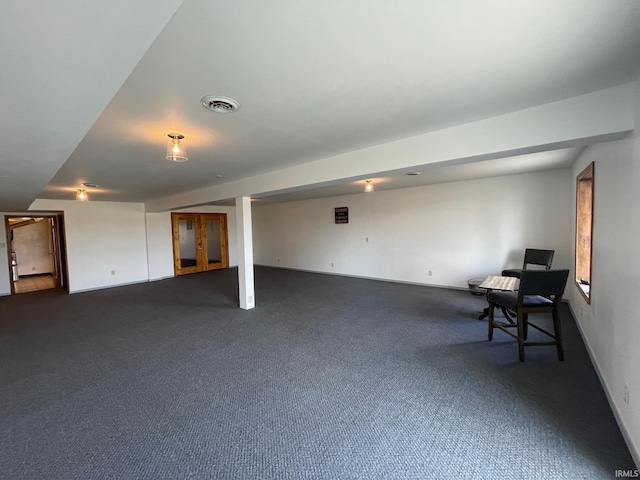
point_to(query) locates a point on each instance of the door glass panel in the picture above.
(214, 249)
(187, 232)
(199, 242)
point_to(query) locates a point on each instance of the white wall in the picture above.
(32, 245)
(457, 230)
(106, 236)
(102, 237)
(159, 245)
(611, 324)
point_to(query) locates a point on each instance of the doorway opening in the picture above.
(200, 242)
(37, 253)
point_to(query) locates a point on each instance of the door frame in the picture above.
(200, 231)
(59, 245)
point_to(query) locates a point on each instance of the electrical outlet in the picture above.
(430, 273)
(332, 264)
(366, 239)
(625, 395)
(278, 260)
(113, 272)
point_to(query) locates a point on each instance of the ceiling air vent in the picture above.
(220, 104)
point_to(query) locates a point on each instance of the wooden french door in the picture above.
(200, 242)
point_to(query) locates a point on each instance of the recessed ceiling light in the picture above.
(218, 176)
(412, 173)
(91, 185)
(220, 104)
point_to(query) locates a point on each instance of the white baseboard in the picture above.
(161, 278)
(92, 289)
(365, 277)
(635, 453)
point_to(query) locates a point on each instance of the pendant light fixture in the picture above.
(175, 150)
(81, 195)
(368, 186)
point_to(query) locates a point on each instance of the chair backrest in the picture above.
(533, 256)
(547, 283)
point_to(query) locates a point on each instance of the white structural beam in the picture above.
(245, 253)
(578, 121)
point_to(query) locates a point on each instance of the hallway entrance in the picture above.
(37, 252)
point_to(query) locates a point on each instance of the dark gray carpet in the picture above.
(327, 378)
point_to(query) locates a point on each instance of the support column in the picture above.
(245, 253)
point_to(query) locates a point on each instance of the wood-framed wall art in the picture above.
(584, 231)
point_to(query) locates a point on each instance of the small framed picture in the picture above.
(342, 214)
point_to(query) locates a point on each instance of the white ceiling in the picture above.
(90, 89)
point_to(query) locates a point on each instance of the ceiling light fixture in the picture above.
(175, 150)
(368, 186)
(81, 195)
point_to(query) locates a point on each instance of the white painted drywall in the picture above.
(102, 237)
(105, 236)
(457, 230)
(576, 121)
(31, 245)
(159, 245)
(611, 324)
(246, 284)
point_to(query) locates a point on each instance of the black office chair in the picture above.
(540, 291)
(532, 256)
